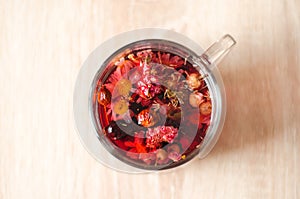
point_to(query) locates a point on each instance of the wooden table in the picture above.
(43, 45)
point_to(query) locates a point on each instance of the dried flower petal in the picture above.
(133, 58)
(205, 119)
(176, 61)
(134, 76)
(137, 146)
(157, 135)
(193, 81)
(147, 118)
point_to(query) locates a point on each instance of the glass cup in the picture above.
(104, 58)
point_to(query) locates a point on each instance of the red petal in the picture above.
(120, 144)
(129, 144)
(205, 119)
(140, 148)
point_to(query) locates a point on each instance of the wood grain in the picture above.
(43, 45)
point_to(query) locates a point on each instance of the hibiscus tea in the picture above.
(152, 108)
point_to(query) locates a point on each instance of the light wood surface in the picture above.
(43, 45)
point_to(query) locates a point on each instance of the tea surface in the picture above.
(154, 107)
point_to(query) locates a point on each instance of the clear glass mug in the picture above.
(86, 108)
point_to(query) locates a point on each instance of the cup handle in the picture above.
(216, 52)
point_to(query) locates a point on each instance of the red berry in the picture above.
(205, 108)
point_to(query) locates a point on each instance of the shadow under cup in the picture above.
(212, 80)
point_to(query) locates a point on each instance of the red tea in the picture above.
(153, 109)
